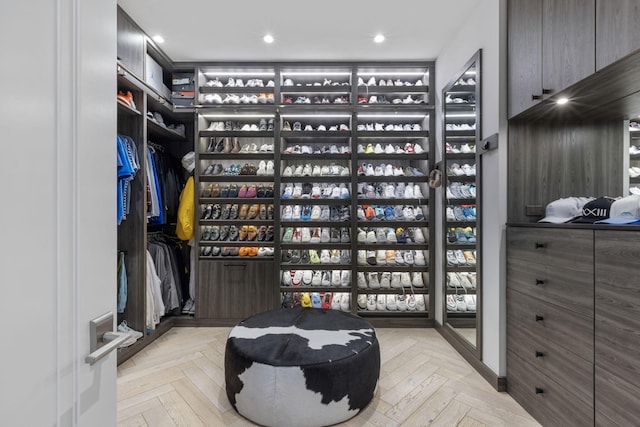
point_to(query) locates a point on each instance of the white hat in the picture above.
(623, 211)
(189, 161)
(563, 210)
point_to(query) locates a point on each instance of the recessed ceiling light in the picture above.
(268, 38)
(158, 38)
(562, 101)
(379, 38)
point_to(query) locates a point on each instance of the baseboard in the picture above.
(497, 382)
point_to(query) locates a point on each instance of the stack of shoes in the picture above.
(189, 307)
(127, 99)
(134, 335)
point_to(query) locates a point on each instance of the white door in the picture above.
(57, 210)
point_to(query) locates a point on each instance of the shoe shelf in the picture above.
(126, 109)
(235, 89)
(321, 156)
(392, 134)
(236, 133)
(461, 156)
(236, 156)
(155, 130)
(316, 134)
(462, 178)
(316, 90)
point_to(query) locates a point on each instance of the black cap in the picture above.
(595, 210)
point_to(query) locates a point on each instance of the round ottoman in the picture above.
(301, 367)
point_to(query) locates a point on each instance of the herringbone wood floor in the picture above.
(179, 381)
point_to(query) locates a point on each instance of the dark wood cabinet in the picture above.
(550, 361)
(617, 322)
(572, 339)
(235, 289)
(568, 43)
(130, 44)
(617, 30)
(524, 54)
(551, 46)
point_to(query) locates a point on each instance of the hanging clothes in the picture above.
(122, 283)
(128, 166)
(155, 307)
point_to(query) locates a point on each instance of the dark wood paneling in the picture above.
(575, 373)
(553, 160)
(564, 287)
(524, 53)
(235, 288)
(130, 44)
(617, 402)
(568, 42)
(570, 249)
(617, 30)
(559, 328)
(617, 322)
(545, 399)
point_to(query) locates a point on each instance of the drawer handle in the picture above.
(539, 390)
(540, 245)
(547, 91)
(539, 354)
(244, 264)
(539, 282)
(536, 97)
(539, 318)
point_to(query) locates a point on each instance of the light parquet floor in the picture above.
(178, 380)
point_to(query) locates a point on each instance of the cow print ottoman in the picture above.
(301, 367)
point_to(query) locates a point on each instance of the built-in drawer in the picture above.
(570, 289)
(566, 248)
(234, 289)
(617, 326)
(617, 400)
(564, 329)
(547, 400)
(573, 372)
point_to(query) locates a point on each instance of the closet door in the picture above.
(59, 188)
(617, 30)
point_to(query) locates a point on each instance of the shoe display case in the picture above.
(235, 192)
(327, 168)
(461, 133)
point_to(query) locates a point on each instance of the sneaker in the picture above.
(371, 302)
(361, 280)
(381, 303)
(124, 328)
(385, 280)
(374, 283)
(391, 302)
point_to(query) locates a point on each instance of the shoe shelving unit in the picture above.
(461, 132)
(634, 157)
(170, 131)
(320, 113)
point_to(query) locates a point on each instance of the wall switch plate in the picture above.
(534, 210)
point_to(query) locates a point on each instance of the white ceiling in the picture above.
(326, 30)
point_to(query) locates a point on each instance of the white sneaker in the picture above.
(373, 280)
(418, 258)
(124, 328)
(316, 280)
(420, 303)
(395, 280)
(345, 301)
(385, 280)
(405, 279)
(417, 280)
(345, 278)
(451, 303)
(381, 303)
(335, 302)
(391, 302)
(362, 281)
(470, 302)
(362, 302)
(371, 302)
(401, 302)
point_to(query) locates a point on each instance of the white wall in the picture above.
(482, 31)
(58, 167)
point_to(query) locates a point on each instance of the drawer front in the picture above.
(570, 289)
(571, 249)
(548, 401)
(617, 303)
(235, 289)
(574, 373)
(617, 400)
(570, 331)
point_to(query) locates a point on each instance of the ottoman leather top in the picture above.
(301, 336)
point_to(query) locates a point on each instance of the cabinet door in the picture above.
(130, 44)
(235, 289)
(525, 54)
(568, 43)
(617, 322)
(617, 30)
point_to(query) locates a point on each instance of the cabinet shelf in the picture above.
(255, 89)
(316, 90)
(236, 156)
(381, 313)
(328, 245)
(384, 156)
(469, 201)
(238, 133)
(396, 224)
(367, 201)
(314, 223)
(256, 222)
(461, 269)
(236, 178)
(399, 268)
(295, 134)
(461, 178)
(323, 156)
(393, 291)
(238, 200)
(374, 90)
(315, 288)
(402, 178)
(158, 131)
(327, 179)
(124, 108)
(392, 134)
(396, 246)
(309, 201)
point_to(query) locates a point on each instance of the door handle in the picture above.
(113, 340)
(102, 338)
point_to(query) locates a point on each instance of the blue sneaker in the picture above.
(316, 301)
